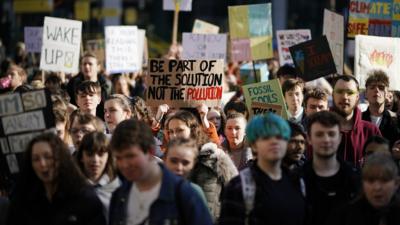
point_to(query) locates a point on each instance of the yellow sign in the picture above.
(32, 6)
(82, 10)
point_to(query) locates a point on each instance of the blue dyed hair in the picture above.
(267, 125)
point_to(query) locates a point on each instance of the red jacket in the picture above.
(352, 145)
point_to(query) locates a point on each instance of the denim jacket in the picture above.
(177, 203)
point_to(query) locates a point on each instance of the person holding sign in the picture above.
(51, 189)
(355, 131)
(376, 86)
(213, 168)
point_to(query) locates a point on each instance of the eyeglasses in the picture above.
(345, 91)
(75, 131)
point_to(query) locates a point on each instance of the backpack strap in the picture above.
(248, 190)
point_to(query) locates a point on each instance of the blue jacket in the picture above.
(178, 203)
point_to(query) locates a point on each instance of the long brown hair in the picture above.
(196, 130)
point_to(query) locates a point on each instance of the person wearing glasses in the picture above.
(377, 85)
(355, 131)
(81, 124)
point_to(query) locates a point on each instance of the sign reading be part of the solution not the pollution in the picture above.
(61, 45)
(185, 83)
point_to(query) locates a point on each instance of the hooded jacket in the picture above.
(213, 170)
(352, 145)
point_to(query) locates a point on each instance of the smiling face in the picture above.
(178, 129)
(43, 162)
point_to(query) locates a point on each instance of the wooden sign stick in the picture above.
(175, 25)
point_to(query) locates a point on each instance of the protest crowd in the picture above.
(200, 135)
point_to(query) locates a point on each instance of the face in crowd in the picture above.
(115, 112)
(376, 93)
(178, 129)
(324, 140)
(44, 163)
(215, 117)
(90, 67)
(79, 130)
(180, 159)
(296, 148)
(314, 105)
(235, 131)
(294, 98)
(87, 102)
(345, 97)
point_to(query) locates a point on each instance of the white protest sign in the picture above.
(381, 53)
(141, 40)
(121, 49)
(202, 27)
(33, 39)
(288, 38)
(185, 5)
(334, 31)
(204, 46)
(61, 45)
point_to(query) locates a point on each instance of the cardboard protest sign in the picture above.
(250, 32)
(22, 117)
(61, 45)
(202, 27)
(374, 17)
(288, 38)
(204, 46)
(313, 59)
(185, 83)
(247, 75)
(185, 5)
(381, 53)
(121, 49)
(265, 92)
(262, 108)
(333, 29)
(97, 47)
(33, 39)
